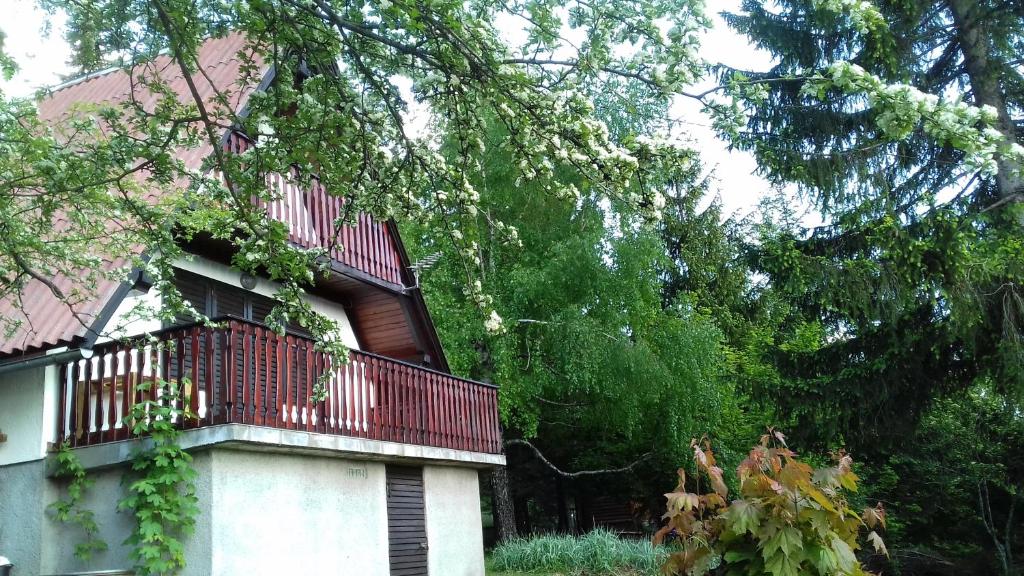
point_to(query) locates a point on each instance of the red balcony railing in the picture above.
(245, 373)
(310, 213)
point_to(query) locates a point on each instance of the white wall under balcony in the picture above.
(28, 411)
(293, 514)
(57, 541)
(260, 514)
(452, 503)
(228, 275)
(264, 510)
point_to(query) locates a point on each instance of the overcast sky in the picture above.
(42, 60)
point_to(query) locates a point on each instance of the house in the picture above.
(380, 477)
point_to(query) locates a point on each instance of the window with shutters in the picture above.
(215, 299)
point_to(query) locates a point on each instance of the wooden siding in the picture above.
(382, 326)
(314, 220)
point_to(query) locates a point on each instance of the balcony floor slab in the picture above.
(260, 438)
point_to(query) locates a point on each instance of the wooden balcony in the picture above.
(312, 214)
(245, 373)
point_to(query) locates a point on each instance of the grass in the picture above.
(490, 570)
(598, 553)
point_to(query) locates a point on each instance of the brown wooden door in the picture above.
(407, 529)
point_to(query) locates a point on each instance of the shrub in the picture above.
(790, 519)
(598, 553)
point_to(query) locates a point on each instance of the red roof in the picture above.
(46, 321)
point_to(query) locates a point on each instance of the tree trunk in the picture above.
(563, 506)
(521, 505)
(504, 513)
(968, 17)
(1004, 547)
(584, 519)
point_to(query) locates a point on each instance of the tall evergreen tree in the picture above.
(899, 318)
(916, 277)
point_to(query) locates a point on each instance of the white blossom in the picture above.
(493, 324)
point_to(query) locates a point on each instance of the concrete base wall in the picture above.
(58, 540)
(288, 514)
(23, 496)
(101, 499)
(260, 513)
(451, 497)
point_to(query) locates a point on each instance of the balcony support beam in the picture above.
(260, 438)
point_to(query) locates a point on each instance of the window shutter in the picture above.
(215, 299)
(230, 301)
(261, 307)
(194, 289)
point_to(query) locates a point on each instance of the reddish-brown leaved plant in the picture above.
(789, 519)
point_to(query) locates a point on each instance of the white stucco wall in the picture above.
(133, 316)
(293, 514)
(260, 514)
(228, 275)
(451, 497)
(28, 410)
(58, 551)
(23, 489)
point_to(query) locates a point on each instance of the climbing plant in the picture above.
(68, 509)
(161, 483)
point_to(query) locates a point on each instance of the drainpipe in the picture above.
(56, 356)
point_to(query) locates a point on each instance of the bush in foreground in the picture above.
(789, 518)
(599, 553)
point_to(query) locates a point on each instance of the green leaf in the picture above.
(787, 540)
(733, 556)
(823, 559)
(742, 517)
(782, 565)
(845, 558)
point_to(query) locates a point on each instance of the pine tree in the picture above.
(916, 275)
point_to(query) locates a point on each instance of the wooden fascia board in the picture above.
(422, 322)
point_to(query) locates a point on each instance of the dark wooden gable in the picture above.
(386, 321)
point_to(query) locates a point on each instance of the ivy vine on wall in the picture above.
(69, 510)
(159, 485)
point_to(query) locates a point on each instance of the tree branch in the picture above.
(582, 473)
(27, 269)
